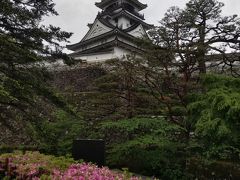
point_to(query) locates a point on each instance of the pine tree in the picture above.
(25, 45)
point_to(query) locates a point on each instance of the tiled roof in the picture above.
(114, 32)
(107, 46)
(103, 3)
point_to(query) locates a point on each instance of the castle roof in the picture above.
(105, 3)
(116, 32)
(108, 46)
(118, 25)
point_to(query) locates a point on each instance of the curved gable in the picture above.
(138, 31)
(97, 29)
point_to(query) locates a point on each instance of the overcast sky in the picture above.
(74, 15)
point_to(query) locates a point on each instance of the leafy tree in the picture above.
(178, 52)
(181, 48)
(58, 135)
(148, 146)
(217, 114)
(25, 45)
(198, 30)
(118, 93)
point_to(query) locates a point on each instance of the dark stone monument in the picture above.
(89, 150)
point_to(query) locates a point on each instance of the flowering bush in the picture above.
(36, 166)
(86, 171)
(31, 164)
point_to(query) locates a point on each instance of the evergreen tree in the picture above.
(181, 49)
(216, 115)
(25, 45)
(198, 30)
(119, 93)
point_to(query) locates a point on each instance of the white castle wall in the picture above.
(92, 58)
(118, 52)
(123, 23)
(98, 28)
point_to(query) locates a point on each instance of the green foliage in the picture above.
(31, 165)
(203, 124)
(25, 45)
(149, 146)
(29, 158)
(217, 115)
(112, 93)
(191, 33)
(203, 169)
(137, 126)
(59, 134)
(10, 149)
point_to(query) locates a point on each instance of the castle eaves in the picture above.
(105, 3)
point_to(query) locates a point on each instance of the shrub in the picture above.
(146, 146)
(33, 165)
(216, 114)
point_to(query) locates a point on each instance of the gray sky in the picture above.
(74, 15)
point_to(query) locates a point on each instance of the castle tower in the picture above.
(113, 33)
